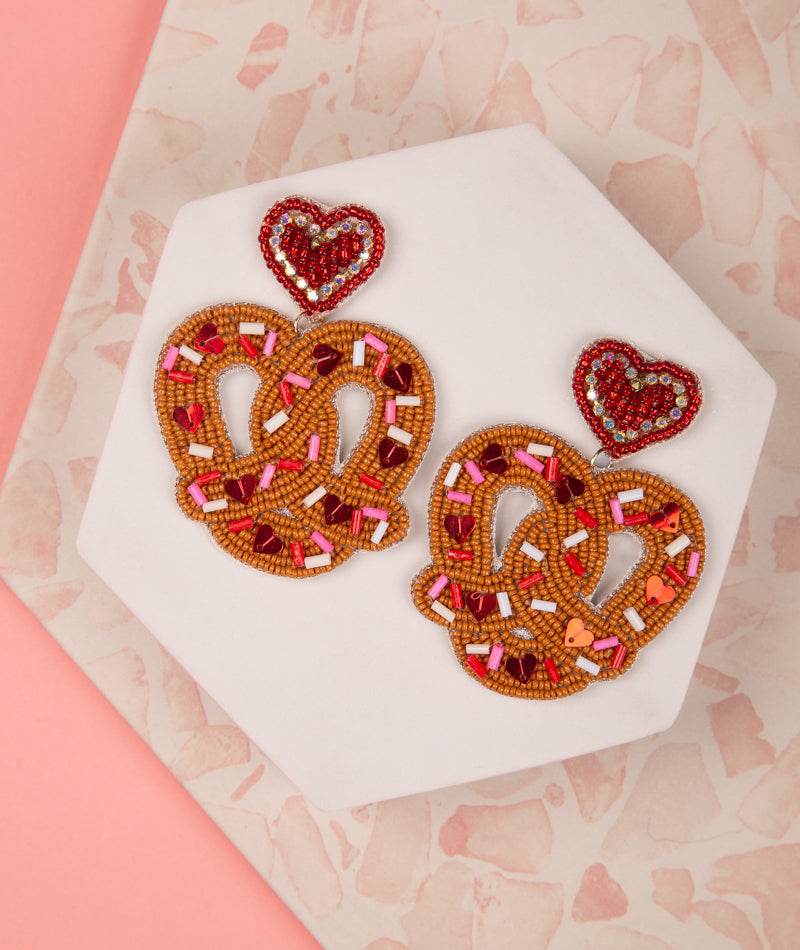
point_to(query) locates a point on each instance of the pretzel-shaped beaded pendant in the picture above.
(290, 506)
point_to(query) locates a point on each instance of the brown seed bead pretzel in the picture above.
(285, 508)
(528, 629)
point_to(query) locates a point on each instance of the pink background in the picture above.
(104, 848)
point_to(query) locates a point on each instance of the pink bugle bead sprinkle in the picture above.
(391, 411)
(169, 359)
(521, 456)
(693, 565)
(197, 493)
(616, 511)
(322, 542)
(378, 513)
(474, 472)
(460, 496)
(269, 343)
(376, 343)
(313, 447)
(495, 656)
(267, 474)
(300, 381)
(437, 586)
(605, 644)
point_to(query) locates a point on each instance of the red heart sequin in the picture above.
(189, 417)
(241, 489)
(399, 377)
(629, 401)
(336, 511)
(481, 605)
(391, 454)
(326, 358)
(208, 340)
(266, 541)
(667, 518)
(459, 527)
(522, 667)
(492, 459)
(320, 256)
(567, 488)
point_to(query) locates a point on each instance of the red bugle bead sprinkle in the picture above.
(356, 521)
(675, 574)
(298, 554)
(456, 555)
(285, 391)
(369, 480)
(637, 519)
(575, 564)
(619, 656)
(382, 365)
(456, 596)
(552, 670)
(476, 665)
(291, 465)
(585, 517)
(248, 347)
(208, 477)
(530, 580)
(180, 376)
(240, 525)
(551, 469)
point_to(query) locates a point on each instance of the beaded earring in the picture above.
(524, 622)
(290, 506)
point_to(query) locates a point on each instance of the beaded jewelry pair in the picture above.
(522, 621)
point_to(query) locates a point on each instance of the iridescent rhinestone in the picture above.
(630, 372)
(289, 270)
(301, 220)
(331, 233)
(647, 425)
(354, 268)
(345, 225)
(302, 283)
(312, 295)
(367, 243)
(623, 360)
(678, 388)
(651, 379)
(631, 433)
(314, 228)
(591, 394)
(285, 219)
(361, 228)
(325, 289)
(675, 414)
(681, 401)
(279, 256)
(274, 241)
(339, 280)
(598, 409)
(619, 437)
(662, 422)
(608, 357)
(608, 424)
(665, 379)
(364, 256)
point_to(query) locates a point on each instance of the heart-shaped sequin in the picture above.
(320, 256)
(480, 605)
(399, 377)
(241, 489)
(208, 340)
(336, 511)
(577, 635)
(189, 417)
(459, 527)
(657, 592)
(522, 667)
(567, 488)
(667, 518)
(266, 541)
(629, 401)
(492, 459)
(326, 358)
(391, 454)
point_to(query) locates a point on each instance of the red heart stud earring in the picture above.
(291, 505)
(533, 627)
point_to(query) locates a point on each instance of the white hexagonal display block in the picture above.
(502, 263)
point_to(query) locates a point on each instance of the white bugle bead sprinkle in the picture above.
(503, 603)
(439, 608)
(584, 664)
(251, 326)
(546, 606)
(358, 353)
(452, 474)
(201, 451)
(219, 504)
(632, 494)
(478, 649)
(576, 538)
(533, 552)
(192, 355)
(633, 618)
(313, 497)
(275, 422)
(408, 400)
(379, 532)
(535, 448)
(317, 560)
(681, 542)
(399, 435)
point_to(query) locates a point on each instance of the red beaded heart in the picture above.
(480, 605)
(326, 358)
(208, 340)
(266, 541)
(320, 256)
(399, 377)
(391, 454)
(189, 417)
(667, 518)
(336, 511)
(492, 460)
(459, 527)
(522, 667)
(629, 401)
(241, 489)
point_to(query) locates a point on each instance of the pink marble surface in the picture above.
(685, 115)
